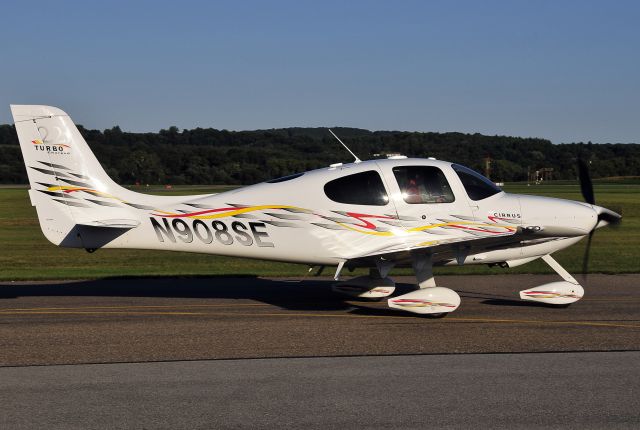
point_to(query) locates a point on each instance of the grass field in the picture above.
(26, 254)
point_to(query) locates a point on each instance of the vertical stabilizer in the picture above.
(68, 185)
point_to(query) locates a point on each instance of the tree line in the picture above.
(210, 156)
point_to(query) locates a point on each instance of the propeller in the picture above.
(586, 186)
(612, 218)
(585, 259)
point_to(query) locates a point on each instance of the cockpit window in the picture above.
(477, 186)
(423, 184)
(364, 188)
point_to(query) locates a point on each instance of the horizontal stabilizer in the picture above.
(112, 223)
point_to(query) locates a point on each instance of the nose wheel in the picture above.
(559, 294)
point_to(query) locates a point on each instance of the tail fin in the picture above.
(69, 188)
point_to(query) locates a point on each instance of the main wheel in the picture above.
(436, 316)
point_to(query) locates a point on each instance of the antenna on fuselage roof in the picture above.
(345, 147)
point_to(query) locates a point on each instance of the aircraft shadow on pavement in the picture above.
(293, 295)
(519, 303)
(309, 294)
(502, 300)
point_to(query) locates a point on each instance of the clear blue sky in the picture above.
(562, 70)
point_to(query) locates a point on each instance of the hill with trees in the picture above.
(210, 156)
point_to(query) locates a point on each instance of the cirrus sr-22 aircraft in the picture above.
(377, 214)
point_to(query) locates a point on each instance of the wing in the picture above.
(443, 249)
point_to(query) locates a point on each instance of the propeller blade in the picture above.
(585, 259)
(586, 186)
(606, 215)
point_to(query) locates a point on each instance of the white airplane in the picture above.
(378, 214)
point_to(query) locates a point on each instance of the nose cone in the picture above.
(558, 217)
(606, 217)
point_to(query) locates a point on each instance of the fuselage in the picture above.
(342, 212)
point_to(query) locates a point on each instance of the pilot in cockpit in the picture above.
(421, 189)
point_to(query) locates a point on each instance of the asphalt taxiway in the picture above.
(266, 353)
(159, 319)
(497, 391)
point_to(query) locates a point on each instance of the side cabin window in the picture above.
(477, 186)
(423, 184)
(363, 188)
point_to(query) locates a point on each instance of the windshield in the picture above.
(477, 186)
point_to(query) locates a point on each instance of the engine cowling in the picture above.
(555, 293)
(433, 300)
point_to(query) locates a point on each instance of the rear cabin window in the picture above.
(423, 184)
(477, 186)
(364, 188)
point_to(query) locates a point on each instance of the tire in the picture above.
(436, 316)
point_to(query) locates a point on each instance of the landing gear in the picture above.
(432, 301)
(373, 286)
(561, 293)
(436, 316)
(428, 299)
(435, 302)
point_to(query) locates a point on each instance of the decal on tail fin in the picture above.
(69, 187)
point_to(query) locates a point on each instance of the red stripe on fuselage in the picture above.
(366, 224)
